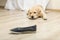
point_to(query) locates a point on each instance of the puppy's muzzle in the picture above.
(32, 17)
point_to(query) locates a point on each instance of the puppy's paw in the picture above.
(45, 18)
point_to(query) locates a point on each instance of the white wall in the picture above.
(54, 4)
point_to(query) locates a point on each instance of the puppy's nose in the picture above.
(32, 16)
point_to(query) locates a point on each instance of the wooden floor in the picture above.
(46, 29)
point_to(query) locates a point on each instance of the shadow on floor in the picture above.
(28, 32)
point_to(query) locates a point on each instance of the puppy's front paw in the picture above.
(45, 18)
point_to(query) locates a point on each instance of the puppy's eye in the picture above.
(30, 13)
(34, 12)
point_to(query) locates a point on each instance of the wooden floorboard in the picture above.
(46, 29)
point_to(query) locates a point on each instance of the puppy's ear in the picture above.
(28, 12)
(39, 12)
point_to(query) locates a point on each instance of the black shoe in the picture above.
(24, 29)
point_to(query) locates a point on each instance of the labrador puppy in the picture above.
(36, 12)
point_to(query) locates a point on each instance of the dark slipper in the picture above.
(24, 29)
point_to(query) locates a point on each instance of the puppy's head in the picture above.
(33, 13)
